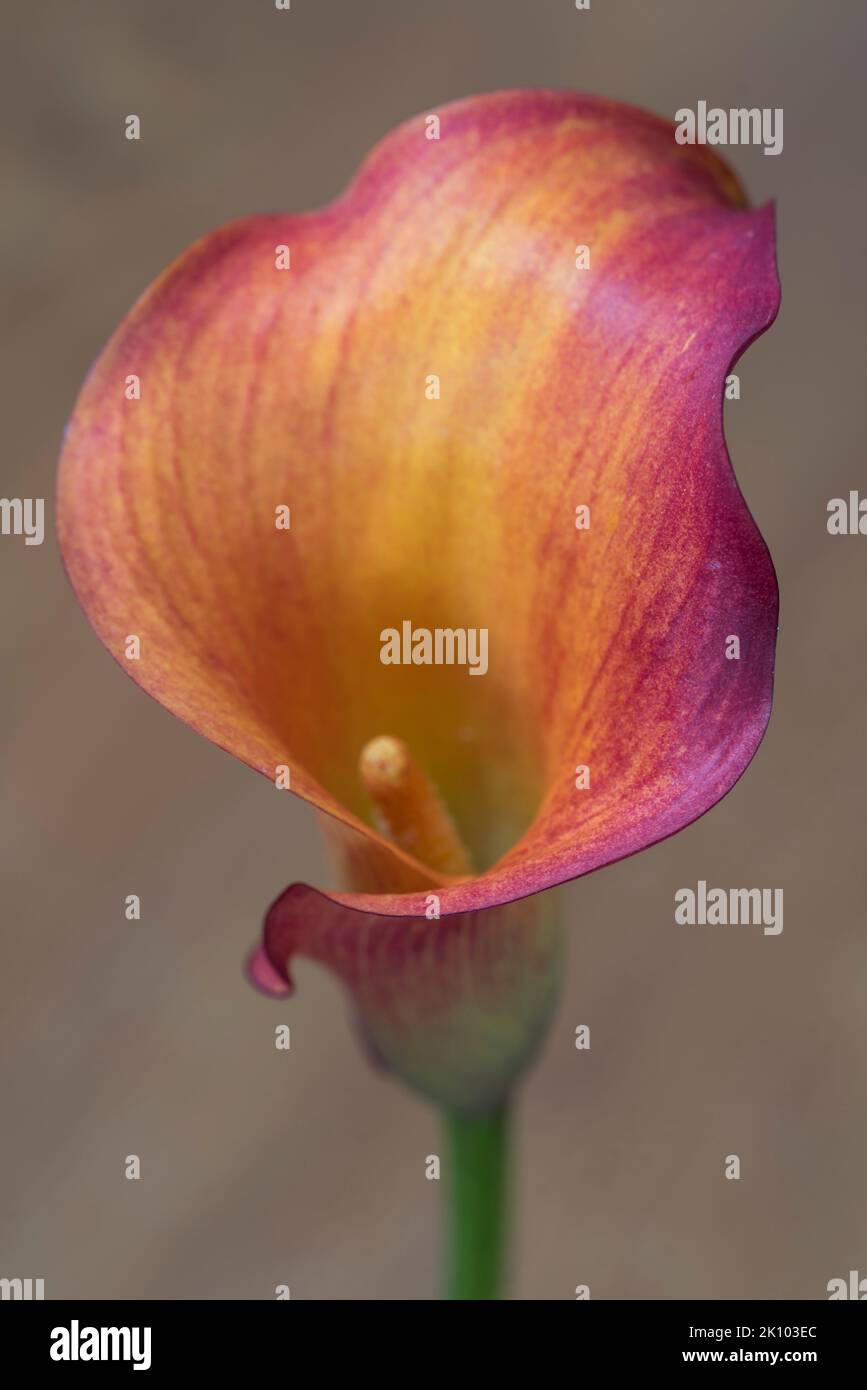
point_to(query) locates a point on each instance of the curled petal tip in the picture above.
(263, 976)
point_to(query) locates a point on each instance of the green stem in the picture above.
(477, 1149)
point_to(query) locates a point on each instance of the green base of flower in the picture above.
(477, 1180)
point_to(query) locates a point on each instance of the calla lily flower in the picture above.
(480, 392)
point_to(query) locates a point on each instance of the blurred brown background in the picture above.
(305, 1167)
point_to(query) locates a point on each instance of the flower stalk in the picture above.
(478, 1179)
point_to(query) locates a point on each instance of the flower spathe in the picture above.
(577, 285)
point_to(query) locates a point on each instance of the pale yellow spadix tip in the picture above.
(385, 762)
(408, 807)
